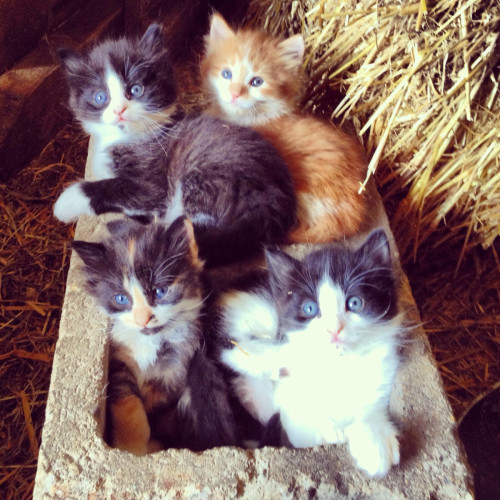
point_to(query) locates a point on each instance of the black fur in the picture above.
(147, 63)
(235, 185)
(288, 284)
(366, 272)
(183, 391)
(225, 171)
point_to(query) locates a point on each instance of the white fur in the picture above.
(373, 443)
(176, 207)
(144, 348)
(182, 312)
(314, 207)
(248, 314)
(252, 107)
(257, 395)
(203, 219)
(328, 389)
(110, 129)
(337, 390)
(253, 323)
(121, 121)
(72, 203)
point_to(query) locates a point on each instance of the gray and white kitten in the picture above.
(163, 388)
(315, 340)
(231, 182)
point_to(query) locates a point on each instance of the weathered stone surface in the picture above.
(74, 461)
(33, 102)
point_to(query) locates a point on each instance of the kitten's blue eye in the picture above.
(226, 73)
(160, 292)
(100, 98)
(121, 300)
(354, 303)
(256, 81)
(310, 308)
(137, 90)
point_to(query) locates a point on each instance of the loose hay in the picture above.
(420, 85)
(34, 258)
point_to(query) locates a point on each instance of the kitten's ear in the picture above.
(182, 233)
(122, 226)
(280, 266)
(377, 248)
(116, 226)
(219, 29)
(69, 58)
(92, 254)
(292, 51)
(153, 37)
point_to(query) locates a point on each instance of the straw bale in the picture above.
(419, 83)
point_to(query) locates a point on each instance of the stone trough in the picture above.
(75, 462)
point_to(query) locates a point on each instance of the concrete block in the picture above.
(75, 462)
(33, 94)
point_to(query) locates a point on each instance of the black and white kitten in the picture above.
(231, 183)
(162, 386)
(316, 341)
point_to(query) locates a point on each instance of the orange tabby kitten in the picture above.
(254, 79)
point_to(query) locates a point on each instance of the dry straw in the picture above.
(34, 258)
(419, 82)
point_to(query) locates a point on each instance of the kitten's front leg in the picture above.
(373, 444)
(255, 359)
(72, 203)
(118, 194)
(130, 428)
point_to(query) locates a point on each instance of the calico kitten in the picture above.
(315, 341)
(227, 179)
(162, 386)
(253, 79)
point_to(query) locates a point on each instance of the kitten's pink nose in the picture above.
(120, 113)
(335, 333)
(142, 316)
(236, 90)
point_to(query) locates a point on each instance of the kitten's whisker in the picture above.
(360, 276)
(153, 132)
(167, 263)
(158, 132)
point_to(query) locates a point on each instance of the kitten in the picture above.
(117, 92)
(253, 79)
(227, 179)
(315, 340)
(162, 386)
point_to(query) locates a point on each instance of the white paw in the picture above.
(72, 203)
(374, 449)
(334, 435)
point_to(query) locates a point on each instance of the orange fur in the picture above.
(327, 165)
(277, 61)
(130, 427)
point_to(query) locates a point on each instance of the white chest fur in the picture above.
(143, 348)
